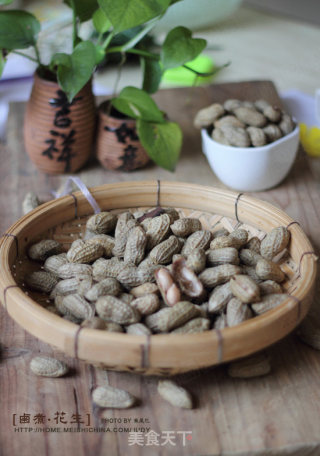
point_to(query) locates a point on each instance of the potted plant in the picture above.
(59, 122)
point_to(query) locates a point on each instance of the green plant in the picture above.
(161, 138)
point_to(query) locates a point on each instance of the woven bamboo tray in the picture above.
(64, 220)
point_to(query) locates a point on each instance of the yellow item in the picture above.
(310, 139)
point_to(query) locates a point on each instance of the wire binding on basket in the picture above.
(306, 253)
(220, 345)
(292, 223)
(299, 305)
(75, 205)
(236, 206)
(15, 238)
(76, 341)
(158, 193)
(5, 293)
(145, 349)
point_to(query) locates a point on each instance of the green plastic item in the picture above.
(183, 77)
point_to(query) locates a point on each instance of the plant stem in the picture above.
(106, 42)
(131, 43)
(213, 72)
(123, 60)
(24, 55)
(36, 50)
(99, 38)
(147, 54)
(74, 25)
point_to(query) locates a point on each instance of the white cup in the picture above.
(252, 168)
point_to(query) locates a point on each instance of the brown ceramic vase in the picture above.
(58, 135)
(118, 146)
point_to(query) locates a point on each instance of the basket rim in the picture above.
(11, 292)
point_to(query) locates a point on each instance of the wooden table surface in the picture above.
(278, 414)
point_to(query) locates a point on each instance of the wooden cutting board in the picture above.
(274, 415)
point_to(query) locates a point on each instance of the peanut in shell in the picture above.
(41, 281)
(244, 288)
(44, 249)
(217, 275)
(113, 309)
(267, 270)
(275, 242)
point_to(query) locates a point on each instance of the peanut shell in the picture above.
(237, 312)
(219, 298)
(101, 223)
(144, 289)
(268, 302)
(196, 260)
(227, 255)
(250, 116)
(46, 366)
(53, 263)
(236, 136)
(41, 281)
(244, 288)
(275, 242)
(109, 397)
(257, 136)
(185, 226)
(206, 116)
(107, 242)
(217, 275)
(30, 202)
(113, 309)
(44, 249)
(78, 306)
(139, 329)
(157, 231)
(163, 252)
(170, 318)
(84, 252)
(197, 240)
(267, 270)
(69, 270)
(146, 304)
(108, 286)
(135, 246)
(193, 326)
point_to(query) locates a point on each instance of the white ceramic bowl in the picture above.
(251, 168)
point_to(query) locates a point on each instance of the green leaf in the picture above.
(125, 14)
(100, 21)
(179, 47)
(152, 74)
(100, 54)
(162, 142)
(60, 59)
(18, 29)
(84, 9)
(75, 70)
(136, 103)
(5, 2)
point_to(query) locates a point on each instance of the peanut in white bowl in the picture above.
(251, 168)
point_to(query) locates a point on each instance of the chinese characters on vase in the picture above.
(62, 120)
(129, 156)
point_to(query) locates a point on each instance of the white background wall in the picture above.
(308, 10)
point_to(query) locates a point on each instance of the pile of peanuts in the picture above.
(244, 123)
(154, 272)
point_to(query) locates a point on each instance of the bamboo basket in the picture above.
(64, 220)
